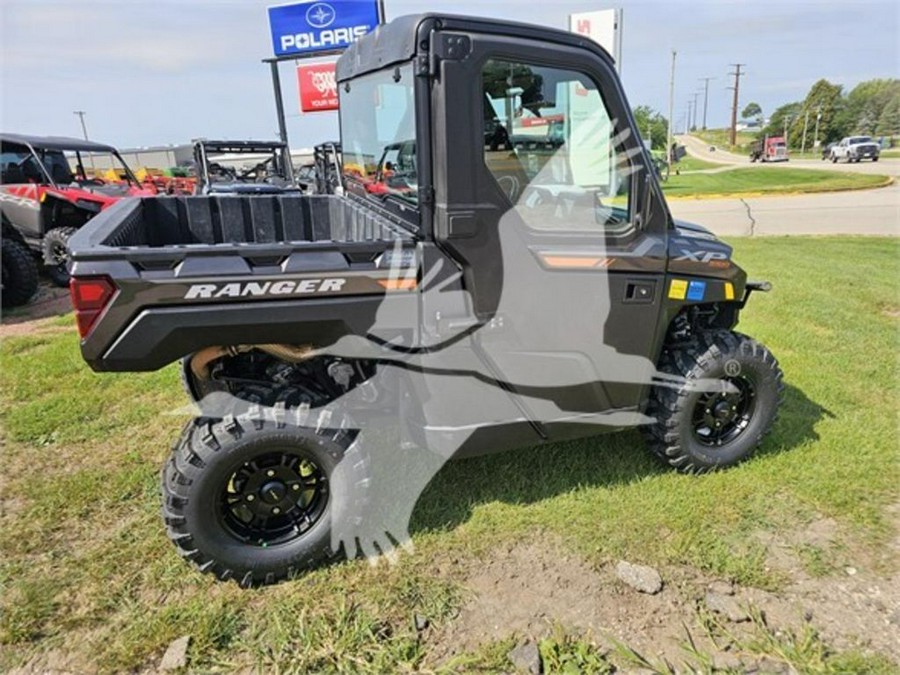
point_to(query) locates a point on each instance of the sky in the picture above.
(164, 72)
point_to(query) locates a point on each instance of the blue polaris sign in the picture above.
(312, 27)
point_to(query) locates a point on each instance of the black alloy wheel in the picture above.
(720, 418)
(273, 499)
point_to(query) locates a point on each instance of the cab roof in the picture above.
(395, 42)
(56, 143)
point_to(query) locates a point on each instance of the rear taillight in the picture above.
(90, 296)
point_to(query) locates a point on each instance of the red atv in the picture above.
(44, 200)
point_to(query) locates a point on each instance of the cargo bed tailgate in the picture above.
(189, 272)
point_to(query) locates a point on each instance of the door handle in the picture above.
(639, 292)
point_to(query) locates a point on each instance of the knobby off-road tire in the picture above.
(56, 256)
(19, 274)
(697, 431)
(217, 465)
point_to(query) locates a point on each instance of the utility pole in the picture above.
(805, 128)
(734, 107)
(671, 115)
(687, 127)
(696, 94)
(81, 114)
(705, 97)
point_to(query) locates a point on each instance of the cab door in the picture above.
(559, 225)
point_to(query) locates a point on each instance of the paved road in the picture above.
(869, 212)
(700, 149)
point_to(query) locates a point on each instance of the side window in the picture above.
(14, 164)
(554, 150)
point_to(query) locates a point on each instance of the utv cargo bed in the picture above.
(158, 222)
(168, 272)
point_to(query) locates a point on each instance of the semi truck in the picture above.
(769, 149)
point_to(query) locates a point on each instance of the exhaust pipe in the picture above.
(201, 361)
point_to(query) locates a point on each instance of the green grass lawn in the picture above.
(689, 163)
(767, 180)
(87, 571)
(721, 138)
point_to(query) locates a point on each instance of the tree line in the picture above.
(827, 114)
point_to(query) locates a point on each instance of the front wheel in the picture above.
(56, 254)
(698, 431)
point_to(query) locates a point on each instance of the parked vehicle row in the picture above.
(49, 189)
(44, 201)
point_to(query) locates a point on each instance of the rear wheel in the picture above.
(19, 274)
(699, 431)
(251, 497)
(56, 254)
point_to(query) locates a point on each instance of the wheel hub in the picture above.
(720, 418)
(273, 499)
(722, 411)
(273, 492)
(59, 254)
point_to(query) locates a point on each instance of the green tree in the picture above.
(889, 120)
(652, 126)
(826, 100)
(781, 119)
(864, 106)
(752, 111)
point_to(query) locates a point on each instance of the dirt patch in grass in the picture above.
(529, 590)
(49, 301)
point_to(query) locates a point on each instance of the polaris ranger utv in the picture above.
(44, 202)
(497, 299)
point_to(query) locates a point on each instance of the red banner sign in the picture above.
(318, 87)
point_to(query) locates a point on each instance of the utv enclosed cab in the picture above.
(477, 295)
(243, 167)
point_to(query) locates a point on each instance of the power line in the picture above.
(737, 84)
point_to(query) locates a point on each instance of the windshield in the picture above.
(860, 139)
(237, 167)
(378, 133)
(87, 168)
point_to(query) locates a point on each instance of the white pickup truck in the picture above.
(856, 148)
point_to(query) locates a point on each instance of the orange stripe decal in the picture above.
(575, 262)
(399, 284)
